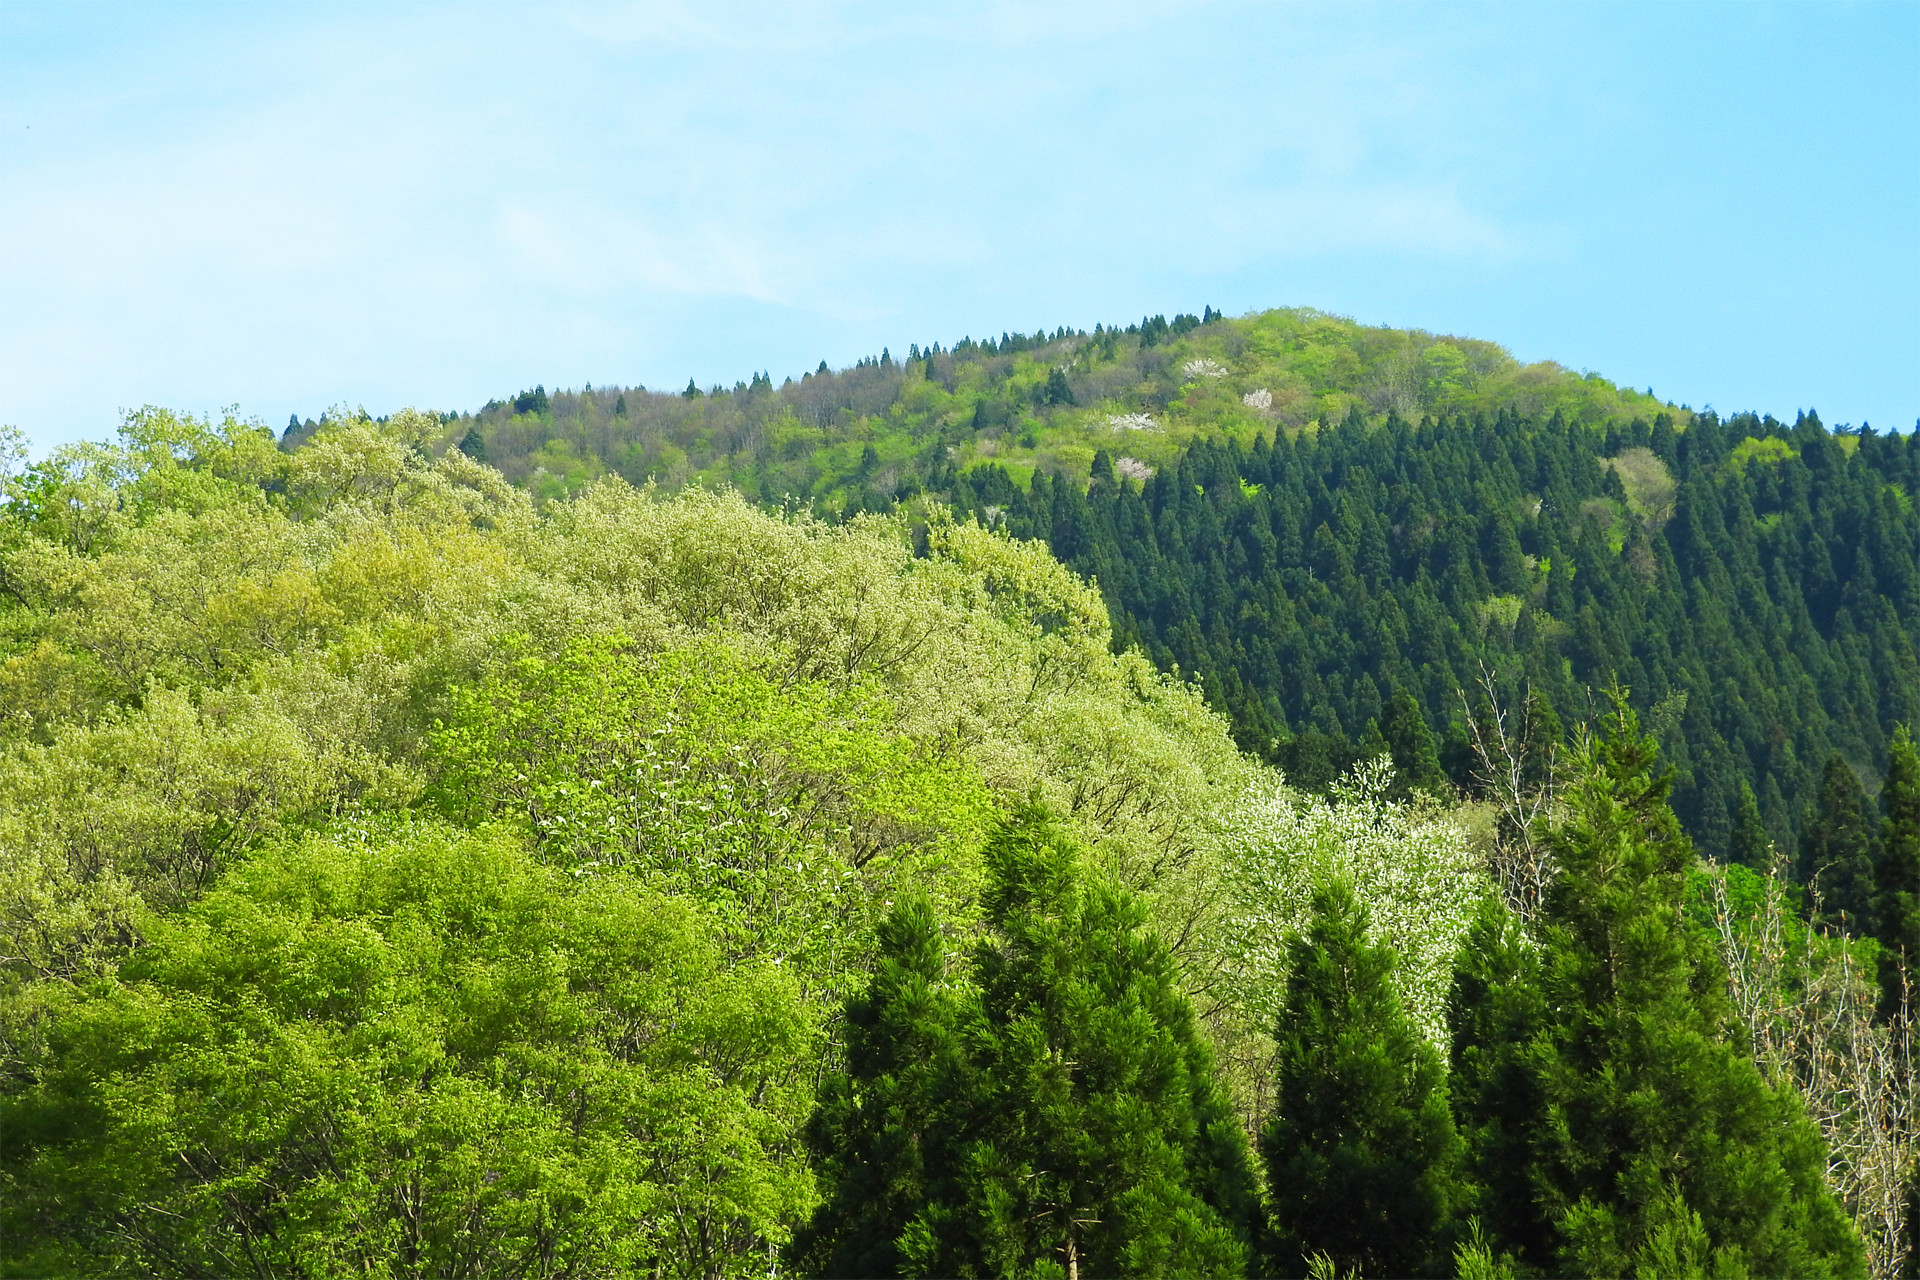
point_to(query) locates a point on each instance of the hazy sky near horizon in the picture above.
(288, 207)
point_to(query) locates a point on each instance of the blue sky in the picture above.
(288, 207)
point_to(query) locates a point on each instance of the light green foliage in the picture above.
(401, 1050)
(788, 812)
(1499, 611)
(1411, 866)
(1474, 1258)
(145, 804)
(158, 577)
(1649, 486)
(984, 650)
(720, 741)
(1767, 451)
(190, 663)
(607, 750)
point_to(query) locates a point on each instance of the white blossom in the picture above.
(1259, 398)
(1132, 422)
(1203, 368)
(1132, 469)
(1413, 868)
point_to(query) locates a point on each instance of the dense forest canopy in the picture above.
(343, 786)
(1313, 516)
(1005, 811)
(1753, 584)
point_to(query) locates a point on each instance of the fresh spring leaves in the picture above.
(401, 1048)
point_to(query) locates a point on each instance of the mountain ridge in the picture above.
(1046, 401)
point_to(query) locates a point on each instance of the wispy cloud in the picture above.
(294, 206)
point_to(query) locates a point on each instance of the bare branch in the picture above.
(1505, 757)
(1809, 1014)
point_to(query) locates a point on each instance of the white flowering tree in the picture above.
(1412, 865)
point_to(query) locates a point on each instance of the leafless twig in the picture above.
(1810, 1014)
(1520, 776)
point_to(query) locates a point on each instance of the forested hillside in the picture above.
(1754, 585)
(1315, 517)
(401, 875)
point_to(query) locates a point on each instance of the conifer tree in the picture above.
(1076, 1128)
(473, 444)
(1058, 392)
(1836, 848)
(1599, 1087)
(873, 1129)
(1749, 843)
(1416, 760)
(1100, 474)
(1361, 1153)
(1897, 876)
(1496, 1014)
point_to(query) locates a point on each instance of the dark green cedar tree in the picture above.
(876, 1125)
(1496, 1013)
(1897, 876)
(1058, 392)
(1075, 1131)
(1612, 1123)
(1416, 759)
(1750, 845)
(1837, 849)
(1361, 1153)
(1100, 472)
(473, 445)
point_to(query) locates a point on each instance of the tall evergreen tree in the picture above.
(1416, 760)
(872, 1129)
(1750, 844)
(1496, 1013)
(1361, 1153)
(1058, 392)
(1897, 876)
(1640, 1139)
(473, 444)
(1074, 1130)
(1837, 848)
